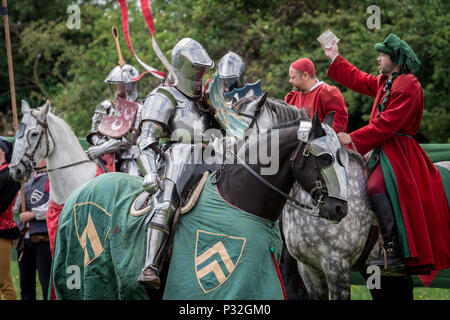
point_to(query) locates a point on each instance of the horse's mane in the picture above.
(276, 105)
(240, 104)
(63, 125)
(273, 105)
(353, 155)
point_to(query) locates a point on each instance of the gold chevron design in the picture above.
(214, 266)
(220, 249)
(90, 233)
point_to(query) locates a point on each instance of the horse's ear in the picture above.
(261, 101)
(316, 128)
(329, 119)
(47, 106)
(25, 107)
(44, 110)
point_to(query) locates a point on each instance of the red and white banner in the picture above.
(149, 19)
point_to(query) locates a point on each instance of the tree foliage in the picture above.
(68, 66)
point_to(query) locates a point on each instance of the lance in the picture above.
(4, 12)
(115, 34)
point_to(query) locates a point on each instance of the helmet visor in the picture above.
(230, 67)
(228, 84)
(197, 56)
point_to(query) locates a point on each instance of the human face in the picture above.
(297, 80)
(386, 66)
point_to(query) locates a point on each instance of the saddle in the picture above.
(143, 204)
(189, 187)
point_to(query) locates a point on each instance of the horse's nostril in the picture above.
(341, 211)
(16, 173)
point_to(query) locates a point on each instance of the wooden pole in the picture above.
(12, 87)
(10, 69)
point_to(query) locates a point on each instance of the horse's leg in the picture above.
(295, 288)
(314, 280)
(338, 274)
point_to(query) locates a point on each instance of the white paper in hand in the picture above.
(327, 39)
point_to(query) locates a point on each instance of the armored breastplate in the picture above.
(188, 121)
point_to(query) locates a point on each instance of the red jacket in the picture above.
(325, 99)
(8, 191)
(421, 194)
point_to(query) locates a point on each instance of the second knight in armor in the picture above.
(115, 122)
(231, 71)
(169, 109)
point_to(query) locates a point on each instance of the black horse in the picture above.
(241, 185)
(244, 187)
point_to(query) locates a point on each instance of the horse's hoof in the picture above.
(149, 279)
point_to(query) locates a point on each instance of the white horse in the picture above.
(41, 135)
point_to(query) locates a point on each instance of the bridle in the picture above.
(45, 131)
(30, 156)
(319, 189)
(317, 192)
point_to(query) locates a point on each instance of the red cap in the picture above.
(304, 65)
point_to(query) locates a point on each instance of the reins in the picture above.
(48, 133)
(292, 202)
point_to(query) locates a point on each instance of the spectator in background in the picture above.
(8, 228)
(35, 252)
(311, 94)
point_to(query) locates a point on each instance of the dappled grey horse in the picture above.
(326, 252)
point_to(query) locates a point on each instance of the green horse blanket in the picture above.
(99, 247)
(221, 252)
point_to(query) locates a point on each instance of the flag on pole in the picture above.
(125, 27)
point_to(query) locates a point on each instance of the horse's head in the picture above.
(32, 143)
(319, 166)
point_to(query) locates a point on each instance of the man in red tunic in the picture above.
(405, 189)
(312, 94)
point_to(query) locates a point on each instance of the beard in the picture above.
(386, 69)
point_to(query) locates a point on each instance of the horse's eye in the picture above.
(34, 134)
(325, 159)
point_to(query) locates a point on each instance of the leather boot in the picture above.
(382, 208)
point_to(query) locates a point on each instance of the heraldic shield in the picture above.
(216, 257)
(122, 121)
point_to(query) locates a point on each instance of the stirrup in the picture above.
(142, 204)
(388, 266)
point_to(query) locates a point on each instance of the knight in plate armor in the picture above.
(115, 121)
(231, 71)
(168, 110)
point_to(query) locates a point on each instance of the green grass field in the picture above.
(357, 292)
(362, 293)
